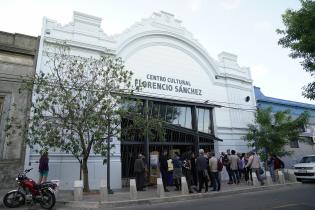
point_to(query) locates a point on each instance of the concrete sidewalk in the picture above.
(149, 197)
(122, 198)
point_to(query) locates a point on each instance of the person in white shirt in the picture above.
(214, 172)
(254, 164)
(234, 159)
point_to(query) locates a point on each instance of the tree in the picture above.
(271, 132)
(299, 36)
(78, 103)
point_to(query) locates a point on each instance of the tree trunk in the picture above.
(86, 187)
(80, 169)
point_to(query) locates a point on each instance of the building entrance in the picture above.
(189, 127)
(181, 142)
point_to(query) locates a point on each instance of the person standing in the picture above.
(139, 170)
(248, 171)
(234, 160)
(201, 166)
(226, 162)
(254, 164)
(170, 171)
(278, 165)
(177, 173)
(241, 165)
(43, 167)
(271, 166)
(193, 169)
(214, 172)
(187, 169)
(208, 156)
(164, 169)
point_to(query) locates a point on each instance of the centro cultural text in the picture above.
(157, 82)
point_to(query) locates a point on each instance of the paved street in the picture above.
(295, 197)
(298, 197)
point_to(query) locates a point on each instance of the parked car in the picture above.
(305, 170)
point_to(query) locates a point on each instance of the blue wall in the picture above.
(296, 109)
(281, 105)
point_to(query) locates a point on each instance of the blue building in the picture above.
(299, 148)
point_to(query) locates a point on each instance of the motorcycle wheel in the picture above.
(14, 199)
(48, 199)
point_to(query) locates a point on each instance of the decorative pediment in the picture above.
(162, 21)
(84, 25)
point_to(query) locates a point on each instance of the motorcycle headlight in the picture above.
(16, 179)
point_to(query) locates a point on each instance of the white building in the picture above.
(178, 74)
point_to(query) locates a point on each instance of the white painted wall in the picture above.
(158, 45)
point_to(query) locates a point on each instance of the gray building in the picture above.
(18, 55)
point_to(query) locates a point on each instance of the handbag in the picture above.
(261, 171)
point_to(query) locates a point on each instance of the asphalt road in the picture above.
(295, 197)
(298, 197)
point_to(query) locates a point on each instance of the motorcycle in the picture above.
(29, 192)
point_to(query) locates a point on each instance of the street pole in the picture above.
(108, 159)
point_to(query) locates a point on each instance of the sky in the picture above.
(243, 27)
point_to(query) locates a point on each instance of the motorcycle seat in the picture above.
(45, 185)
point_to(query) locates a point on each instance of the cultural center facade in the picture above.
(213, 98)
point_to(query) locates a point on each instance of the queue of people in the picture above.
(274, 164)
(240, 166)
(198, 170)
(204, 170)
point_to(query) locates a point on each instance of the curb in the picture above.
(155, 200)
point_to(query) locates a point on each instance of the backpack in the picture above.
(177, 163)
(226, 160)
(241, 164)
(220, 165)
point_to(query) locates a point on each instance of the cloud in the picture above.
(259, 71)
(230, 4)
(195, 5)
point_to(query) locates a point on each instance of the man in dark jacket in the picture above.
(177, 173)
(201, 166)
(186, 157)
(164, 169)
(139, 170)
(193, 169)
